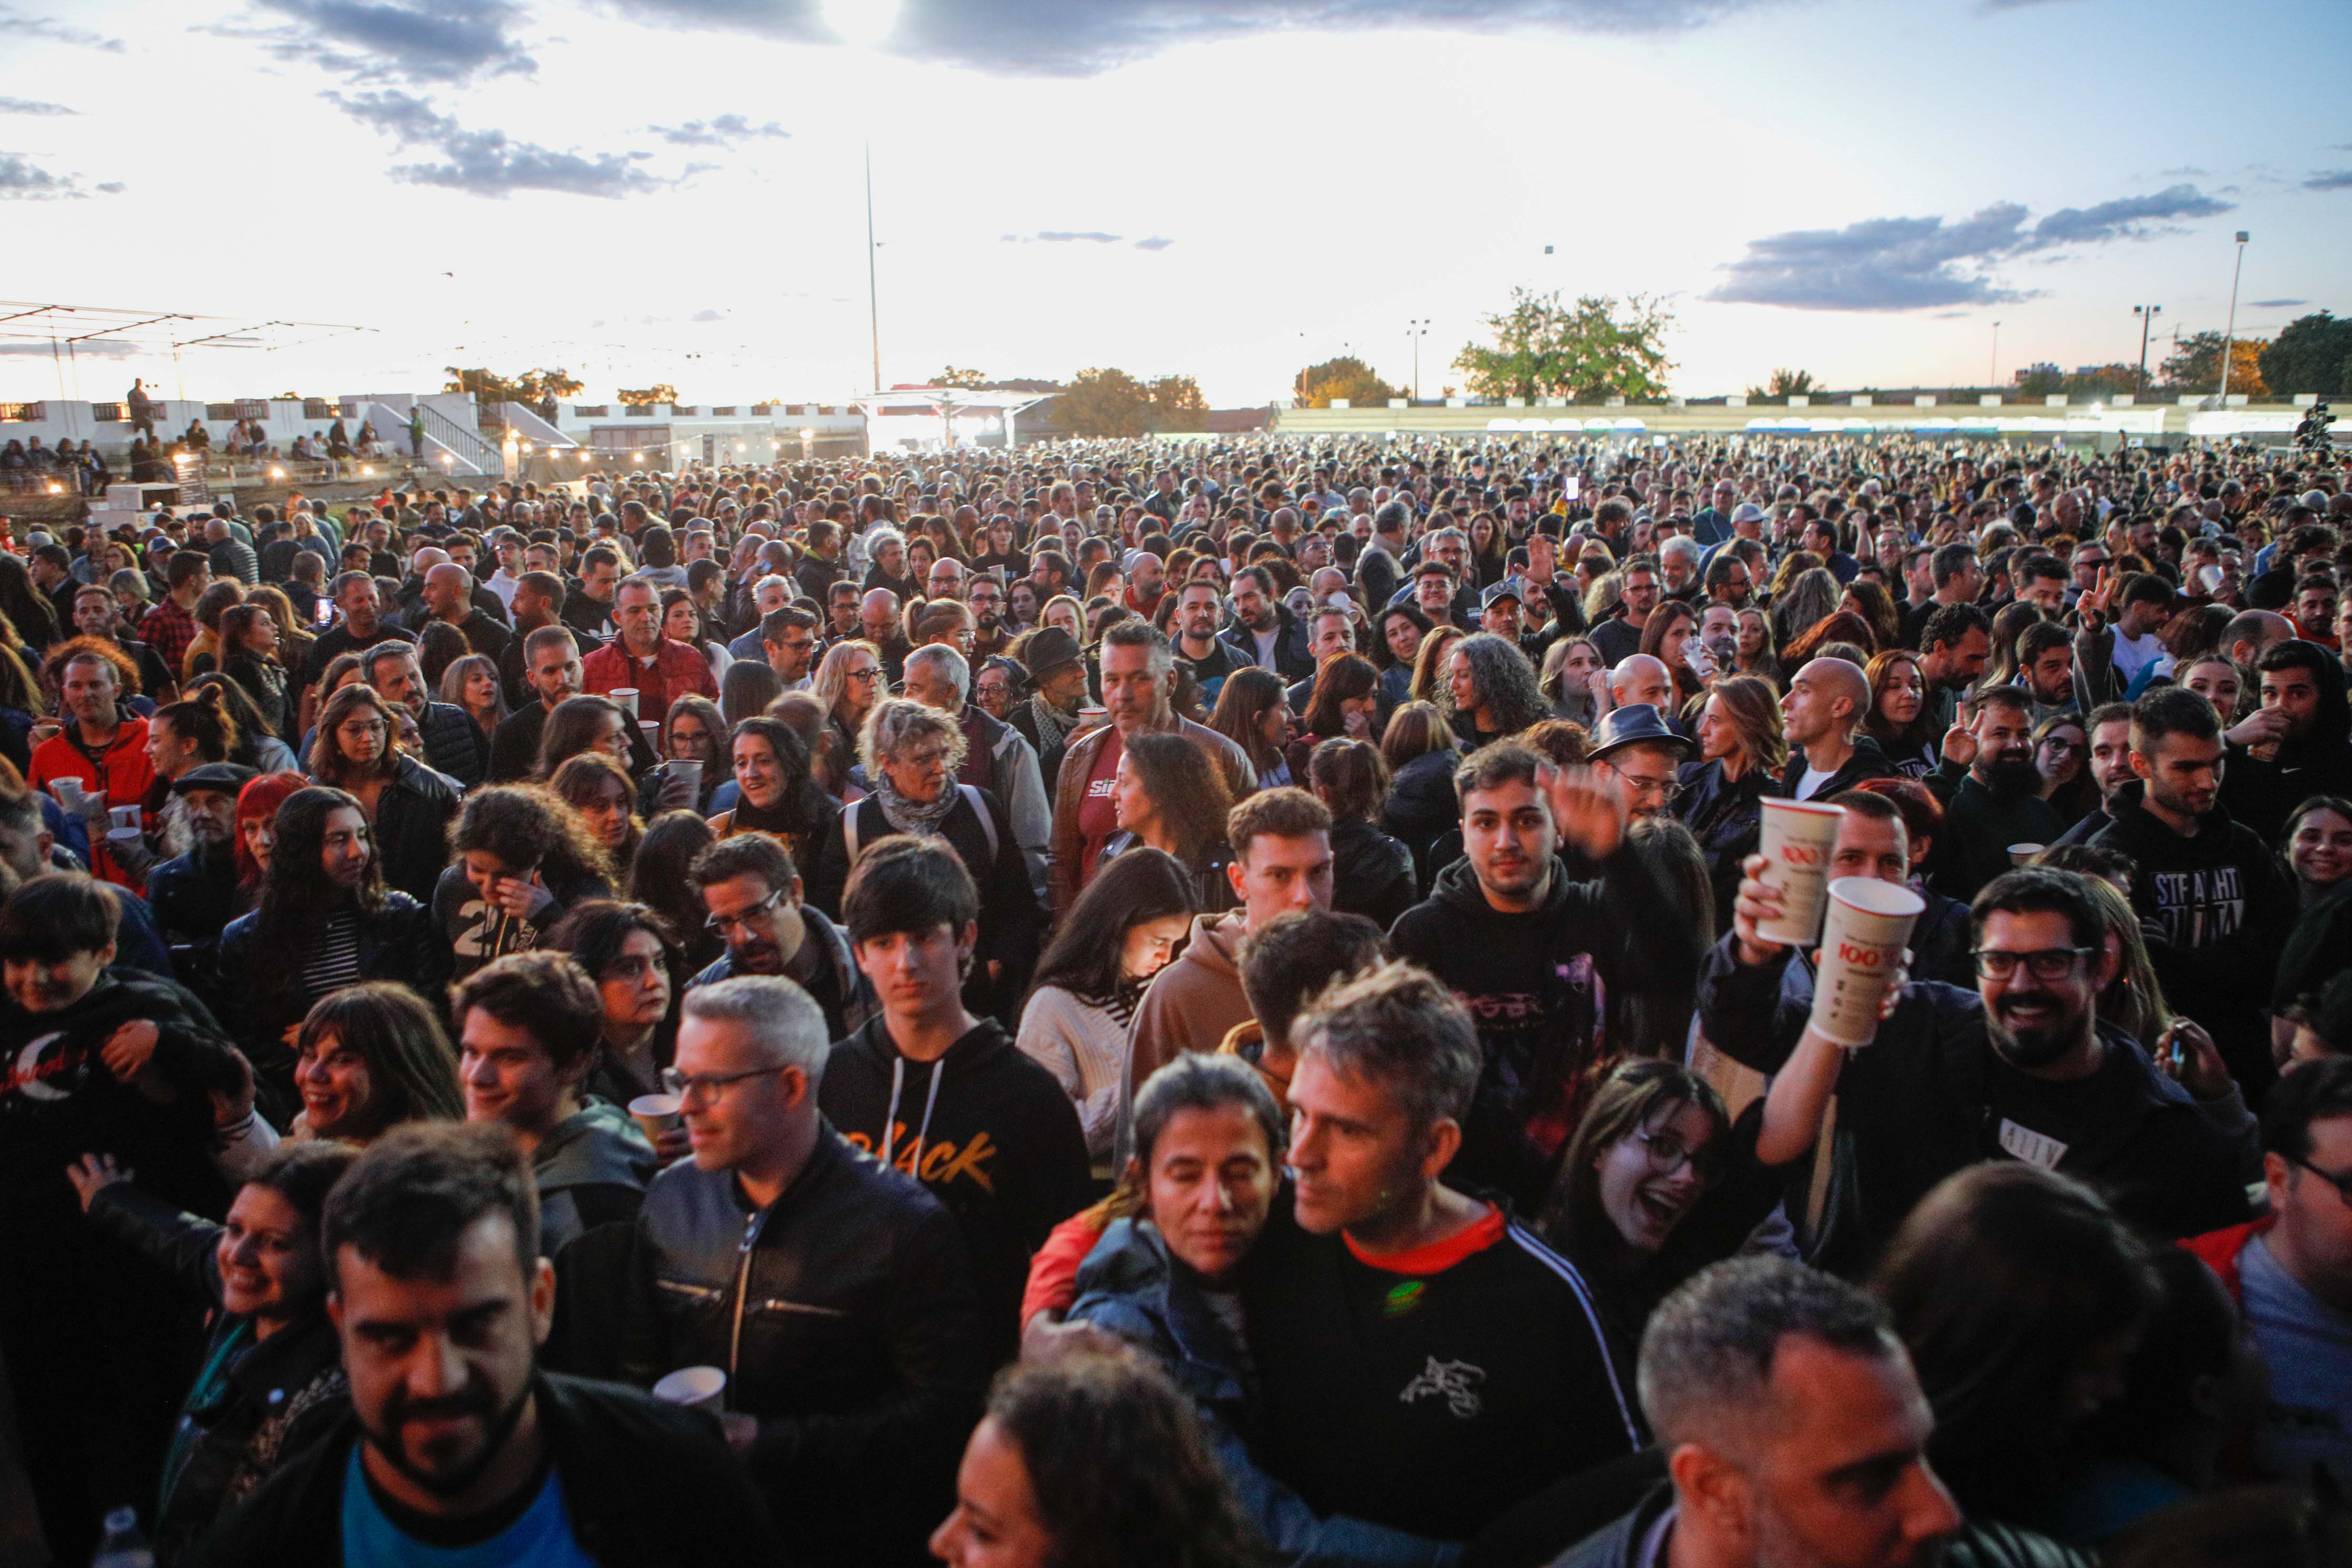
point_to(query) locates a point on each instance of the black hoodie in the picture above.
(2224, 905)
(985, 1129)
(1536, 985)
(2261, 793)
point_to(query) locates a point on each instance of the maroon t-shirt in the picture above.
(1098, 811)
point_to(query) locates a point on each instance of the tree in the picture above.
(532, 387)
(1347, 377)
(1785, 383)
(2194, 366)
(1542, 348)
(1104, 402)
(955, 375)
(645, 396)
(2308, 355)
(1177, 403)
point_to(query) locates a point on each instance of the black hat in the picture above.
(1049, 649)
(1636, 724)
(1506, 589)
(227, 778)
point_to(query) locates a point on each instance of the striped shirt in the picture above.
(333, 962)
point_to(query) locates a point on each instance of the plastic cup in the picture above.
(70, 795)
(2023, 854)
(626, 696)
(1863, 937)
(1799, 839)
(692, 1387)
(124, 816)
(692, 772)
(658, 1114)
(1089, 717)
(651, 728)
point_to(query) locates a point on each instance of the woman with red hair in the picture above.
(256, 818)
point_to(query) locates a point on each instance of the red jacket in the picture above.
(677, 671)
(2219, 1250)
(123, 773)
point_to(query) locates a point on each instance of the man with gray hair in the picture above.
(996, 757)
(1427, 1362)
(833, 1290)
(769, 594)
(454, 743)
(1793, 1428)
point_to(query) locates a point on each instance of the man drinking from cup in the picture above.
(2019, 1069)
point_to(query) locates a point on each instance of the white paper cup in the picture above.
(1800, 838)
(2023, 854)
(626, 696)
(1863, 937)
(122, 835)
(124, 817)
(692, 1387)
(70, 795)
(692, 772)
(1088, 717)
(658, 1114)
(651, 729)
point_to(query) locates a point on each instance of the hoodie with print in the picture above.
(985, 1129)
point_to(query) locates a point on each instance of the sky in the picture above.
(671, 191)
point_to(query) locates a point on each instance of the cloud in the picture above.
(724, 131)
(33, 106)
(2185, 171)
(2275, 304)
(1083, 37)
(1062, 236)
(17, 24)
(2331, 180)
(707, 315)
(444, 42)
(1925, 263)
(488, 162)
(21, 180)
(89, 348)
(1157, 242)
(114, 187)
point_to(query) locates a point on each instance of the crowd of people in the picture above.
(1189, 1002)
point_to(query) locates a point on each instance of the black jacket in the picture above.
(1292, 661)
(399, 941)
(1927, 1100)
(2261, 793)
(1371, 873)
(1979, 827)
(1868, 761)
(411, 822)
(844, 1313)
(1727, 817)
(1535, 985)
(2224, 905)
(260, 1400)
(643, 1482)
(986, 1130)
(1422, 806)
(454, 745)
(1978, 1544)
(193, 896)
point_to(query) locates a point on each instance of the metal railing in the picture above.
(466, 444)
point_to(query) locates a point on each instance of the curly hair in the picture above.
(1505, 682)
(530, 828)
(1189, 793)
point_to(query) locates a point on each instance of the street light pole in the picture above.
(873, 298)
(2230, 331)
(1416, 329)
(2147, 315)
(1992, 370)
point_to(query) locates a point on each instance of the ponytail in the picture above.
(203, 720)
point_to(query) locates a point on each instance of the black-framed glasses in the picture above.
(697, 1089)
(1668, 1153)
(2342, 1184)
(722, 924)
(2044, 963)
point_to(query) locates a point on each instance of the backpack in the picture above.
(971, 793)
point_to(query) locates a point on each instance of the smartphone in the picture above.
(325, 611)
(1570, 486)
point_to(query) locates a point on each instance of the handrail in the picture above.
(466, 444)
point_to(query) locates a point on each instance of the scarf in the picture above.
(921, 818)
(1053, 726)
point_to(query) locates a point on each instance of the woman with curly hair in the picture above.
(1812, 595)
(523, 857)
(1168, 797)
(1490, 691)
(1877, 608)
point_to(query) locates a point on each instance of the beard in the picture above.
(479, 1400)
(2037, 1045)
(2012, 776)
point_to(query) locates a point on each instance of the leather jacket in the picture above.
(845, 1317)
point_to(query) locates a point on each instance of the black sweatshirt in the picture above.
(1431, 1391)
(985, 1129)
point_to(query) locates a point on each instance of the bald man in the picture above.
(1642, 678)
(449, 597)
(1822, 718)
(879, 622)
(2251, 633)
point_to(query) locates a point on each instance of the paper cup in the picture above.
(692, 1387)
(1800, 838)
(1089, 717)
(626, 696)
(651, 729)
(1862, 949)
(658, 1114)
(68, 793)
(2023, 854)
(692, 772)
(124, 816)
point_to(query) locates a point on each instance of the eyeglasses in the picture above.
(860, 674)
(1668, 1153)
(2342, 1184)
(2047, 963)
(1666, 790)
(722, 924)
(703, 1086)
